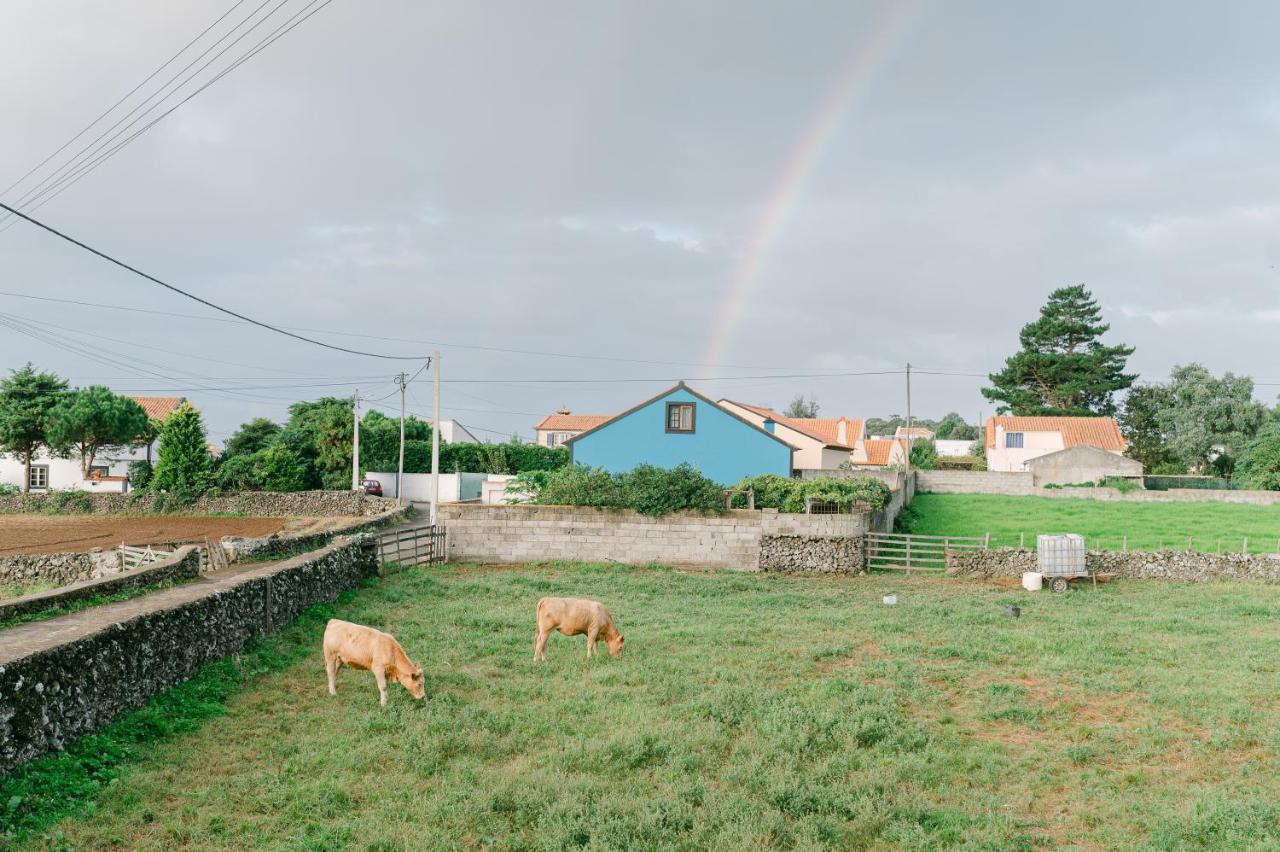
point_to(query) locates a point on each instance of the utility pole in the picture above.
(355, 442)
(908, 418)
(402, 381)
(435, 438)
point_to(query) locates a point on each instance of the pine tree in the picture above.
(184, 468)
(1063, 367)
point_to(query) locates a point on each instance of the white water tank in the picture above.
(1032, 581)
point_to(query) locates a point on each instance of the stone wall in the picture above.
(527, 533)
(1020, 484)
(57, 568)
(183, 565)
(57, 685)
(1132, 564)
(813, 554)
(253, 503)
(278, 544)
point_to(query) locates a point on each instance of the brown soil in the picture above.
(62, 533)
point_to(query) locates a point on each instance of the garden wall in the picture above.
(183, 565)
(253, 503)
(1132, 564)
(58, 568)
(528, 533)
(1020, 484)
(976, 482)
(59, 684)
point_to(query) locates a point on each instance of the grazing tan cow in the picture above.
(572, 617)
(365, 648)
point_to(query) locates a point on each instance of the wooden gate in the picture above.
(902, 552)
(412, 546)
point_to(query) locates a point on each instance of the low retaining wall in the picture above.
(59, 568)
(527, 533)
(1012, 483)
(277, 544)
(69, 676)
(792, 554)
(183, 565)
(1132, 564)
(253, 503)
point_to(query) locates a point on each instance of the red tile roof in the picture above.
(1101, 432)
(159, 407)
(878, 450)
(824, 429)
(571, 422)
(916, 432)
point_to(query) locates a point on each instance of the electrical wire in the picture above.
(202, 301)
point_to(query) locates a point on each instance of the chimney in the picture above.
(769, 425)
(842, 432)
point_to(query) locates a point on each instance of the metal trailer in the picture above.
(1060, 559)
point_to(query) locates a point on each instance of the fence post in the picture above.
(908, 554)
(1124, 543)
(986, 542)
(1244, 548)
(1022, 541)
(1189, 540)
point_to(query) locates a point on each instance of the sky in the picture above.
(581, 203)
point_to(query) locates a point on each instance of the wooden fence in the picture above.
(901, 552)
(413, 546)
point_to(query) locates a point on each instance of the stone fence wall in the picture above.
(252, 503)
(58, 568)
(1020, 484)
(183, 565)
(66, 677)
(528, 533)
(1131, 564)
(277, 544)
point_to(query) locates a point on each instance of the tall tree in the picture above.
(184, 467)
(953, 428)
(27, 398)
(1140, 423)
(1259, 465)
(93, 419)
(1063, 366)
(1208, 418)
(800, 407)
(257, 434)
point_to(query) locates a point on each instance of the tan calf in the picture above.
(572, 617)
(365, 648)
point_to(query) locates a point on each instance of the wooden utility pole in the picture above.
(435, 438)
(908, 418)
(402, 381)
(355, 441)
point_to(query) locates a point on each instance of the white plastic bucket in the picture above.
(1032, 581)
(890, 600)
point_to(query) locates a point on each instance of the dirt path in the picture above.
(61, 533)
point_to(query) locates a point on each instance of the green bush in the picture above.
(1121, 484)
(282, 470)
(923, 455)
(647, 489)
(789, 495)
(1259, 465)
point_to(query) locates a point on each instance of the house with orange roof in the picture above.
(880, 452)
(820, 443)
(110, 470)
(555, 429)
(1013, 442)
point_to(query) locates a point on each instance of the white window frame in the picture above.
(31, 477)
(1010, 444)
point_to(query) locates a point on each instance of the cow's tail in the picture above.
(542, 602)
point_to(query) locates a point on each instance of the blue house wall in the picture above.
(723, 447)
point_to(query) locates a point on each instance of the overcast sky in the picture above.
(739, 189)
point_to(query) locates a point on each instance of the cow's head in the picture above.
(615, 645)
(412, 680)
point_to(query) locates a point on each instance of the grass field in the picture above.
(1149, 526)
(747, 711)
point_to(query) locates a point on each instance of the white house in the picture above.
(820, 443)
(1013, 441)
(110, 471)
(453, 432)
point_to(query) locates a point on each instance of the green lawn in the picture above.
(748, 711)
(1148, 526)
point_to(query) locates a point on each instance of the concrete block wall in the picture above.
(527, 533)
(1012, 483)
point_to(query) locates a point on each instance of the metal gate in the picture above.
(902, 552)
(412, 546)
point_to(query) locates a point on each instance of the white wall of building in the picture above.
(65, 474)
(952, 448)
(1034, 444)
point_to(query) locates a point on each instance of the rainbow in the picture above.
(881, 39)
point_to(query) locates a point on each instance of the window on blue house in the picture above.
(679, 416)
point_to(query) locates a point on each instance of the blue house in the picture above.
(681, 425)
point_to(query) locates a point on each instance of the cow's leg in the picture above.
(540, 644)
(592, 635)
(380, 673)
(331, 663)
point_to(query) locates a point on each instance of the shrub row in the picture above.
(790, 495)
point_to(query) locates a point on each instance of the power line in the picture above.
(196, 298)
(81, 167)
(128, 95)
